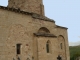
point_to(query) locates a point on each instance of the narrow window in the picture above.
(48, 47)
(18, 48)
(61, 45)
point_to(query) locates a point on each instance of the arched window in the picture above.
(48, 47)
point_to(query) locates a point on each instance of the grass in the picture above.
(74, 51)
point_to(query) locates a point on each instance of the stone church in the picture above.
(27, 34)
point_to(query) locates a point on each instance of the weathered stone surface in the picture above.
(18, 27)
(34, 6)
(34, 15)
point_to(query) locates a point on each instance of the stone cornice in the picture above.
(45, 35)
(57, 26)
(34, 15)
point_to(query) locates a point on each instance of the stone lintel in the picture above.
(45, 35)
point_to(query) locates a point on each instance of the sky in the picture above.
(65, 13)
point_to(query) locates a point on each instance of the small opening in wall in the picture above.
(47, 48)
(18, 46)
(61, 45)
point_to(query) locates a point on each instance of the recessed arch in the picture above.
(43, 30)
(62, 45)
(61, 41)
(61, 36)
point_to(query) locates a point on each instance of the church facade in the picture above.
(27, 34)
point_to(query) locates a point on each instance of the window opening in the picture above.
(48, 46)
(18, 48)
(61, 45)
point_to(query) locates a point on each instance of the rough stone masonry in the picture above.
(27, 34)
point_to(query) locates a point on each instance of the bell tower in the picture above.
(34, 6)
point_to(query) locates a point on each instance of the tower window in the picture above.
(18, 46)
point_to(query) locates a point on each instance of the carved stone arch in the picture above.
(62, 46)
(43, 30)
(61, 36)
(61, 41)
(48, 41)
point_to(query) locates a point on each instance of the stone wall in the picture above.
(35, 6)
(17, 28)
(63, 32)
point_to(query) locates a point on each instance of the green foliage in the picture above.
(74, 52)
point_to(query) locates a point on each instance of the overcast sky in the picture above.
(66, 13)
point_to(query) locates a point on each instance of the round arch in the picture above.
(61, 36)
(43, 30)
(62, 45)
(61, 41)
